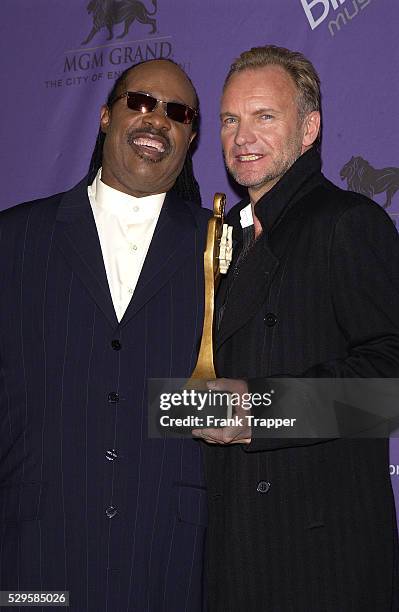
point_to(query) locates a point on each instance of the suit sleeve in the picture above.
(364, 287)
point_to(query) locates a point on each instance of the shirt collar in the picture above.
(125, 207)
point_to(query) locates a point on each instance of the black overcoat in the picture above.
(307, 525)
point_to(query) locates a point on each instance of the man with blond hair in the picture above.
(299, 524)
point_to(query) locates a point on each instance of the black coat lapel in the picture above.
(76, 236)
(256, 271)
(248, 289)
(278, 215)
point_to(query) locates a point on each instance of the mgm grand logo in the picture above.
(109, 13)
(106, 60)
(363, 178)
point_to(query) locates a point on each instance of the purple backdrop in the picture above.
(54, 85)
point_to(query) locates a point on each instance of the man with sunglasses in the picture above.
(103, 290)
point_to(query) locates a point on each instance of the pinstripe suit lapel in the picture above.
(174, 239)
(77, 238)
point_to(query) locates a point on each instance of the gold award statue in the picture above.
(217, 258)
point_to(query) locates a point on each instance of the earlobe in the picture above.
(105, 117)
(311, 128)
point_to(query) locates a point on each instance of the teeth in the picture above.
(149, 142)
(251, 157)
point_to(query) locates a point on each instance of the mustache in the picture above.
(137, 132)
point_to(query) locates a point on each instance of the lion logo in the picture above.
(369, 181)
(107, 13)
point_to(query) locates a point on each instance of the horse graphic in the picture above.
(369, 181)
(107, 13)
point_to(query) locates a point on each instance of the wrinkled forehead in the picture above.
(271, 75)
(271, 85)
(162, 79)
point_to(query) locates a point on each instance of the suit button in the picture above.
(116, 345)
(111, 511)
(113, 397)
(270, 319)
(111, 454)
(263, 486)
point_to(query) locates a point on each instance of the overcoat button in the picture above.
(113, 397)
(111, 454)
(263, 486)
(116, 345)
(270, 319)
(111, 511)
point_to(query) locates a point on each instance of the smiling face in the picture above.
(262, 131)
(143, 154)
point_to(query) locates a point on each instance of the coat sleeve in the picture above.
(364, 287)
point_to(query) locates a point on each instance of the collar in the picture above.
(302, 177)
(298, 180)
(126, 208)
(74, 207)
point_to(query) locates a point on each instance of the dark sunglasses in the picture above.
(144, 103)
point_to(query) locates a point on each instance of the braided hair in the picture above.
(186, 185)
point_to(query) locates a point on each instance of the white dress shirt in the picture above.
(125, 227)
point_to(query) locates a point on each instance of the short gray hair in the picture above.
(300, 69)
